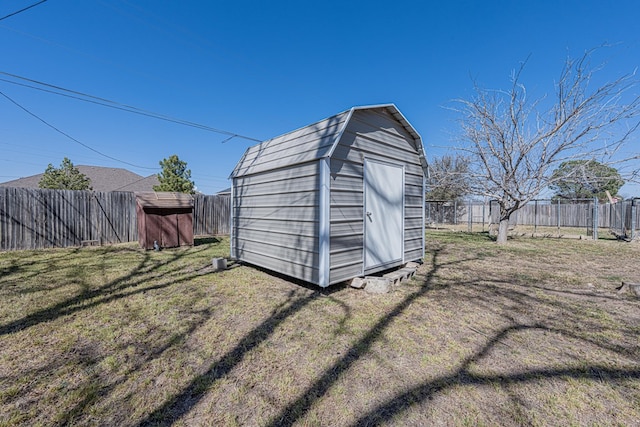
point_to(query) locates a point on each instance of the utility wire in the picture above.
(22, 10)
(69, 136)
(117, 105)
(114, 106)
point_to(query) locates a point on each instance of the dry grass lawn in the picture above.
(532, 333)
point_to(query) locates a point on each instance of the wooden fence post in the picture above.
(595, 218)
(633, 218)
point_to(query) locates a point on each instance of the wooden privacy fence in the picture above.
(211, 215)
(35, 218)
(622, 217)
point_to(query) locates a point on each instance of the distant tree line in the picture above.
(574, 180)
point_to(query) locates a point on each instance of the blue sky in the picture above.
(261, 69)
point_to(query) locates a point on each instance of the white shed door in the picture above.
(384, 206)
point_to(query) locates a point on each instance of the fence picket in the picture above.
(621, 217)
(37, 218)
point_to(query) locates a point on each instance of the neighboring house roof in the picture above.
(313, 142)
(102, 179)
(144, 184)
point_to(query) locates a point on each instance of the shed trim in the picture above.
(366, 229)
(232, 216)
(338, 137)
(398, 116)
(424, 206)
(324, 227)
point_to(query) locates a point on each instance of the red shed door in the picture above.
(185, 229)
(170, 233)
(153, 230)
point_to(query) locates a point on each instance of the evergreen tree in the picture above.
(175, 176)
(585, 179)
(66, 177)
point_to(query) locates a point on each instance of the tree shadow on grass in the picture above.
(387, 411)
(298, 408)
(21, 266)
(95, 386)
(183, 402)
(106, 293)
(84, 358)
(503, 296)
(180, 404)
(512, 301)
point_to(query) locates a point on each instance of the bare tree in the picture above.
(448, 177)
(515, 144)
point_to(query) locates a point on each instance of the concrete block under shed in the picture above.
(377, 285)
(399, 276)
(357, 283)
(219, 264)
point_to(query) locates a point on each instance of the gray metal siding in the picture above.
(278, 187)
(347, 228)
(275, 220)
(300, 146)
(377, 135)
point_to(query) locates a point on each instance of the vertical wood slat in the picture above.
(614, 216)
(53, 224)
(37, 218)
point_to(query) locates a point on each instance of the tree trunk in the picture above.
(503, 229)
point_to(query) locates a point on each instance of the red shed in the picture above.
(165, 218)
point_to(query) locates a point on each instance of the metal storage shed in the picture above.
(335, 200)
(164, 218)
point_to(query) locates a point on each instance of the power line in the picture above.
(69, 136)
(81, 96)
(22, 10)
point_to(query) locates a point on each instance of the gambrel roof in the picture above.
(313, 142)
